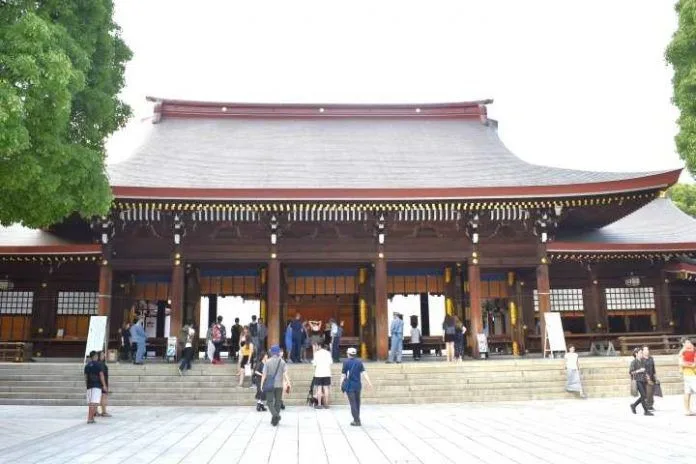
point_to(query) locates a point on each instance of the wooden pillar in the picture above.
(105, 284)
(595, 312)
(663, 304)
(192, 297)
(515, 316)
(177, 296)
(43, 314)
(212, 308)
(381, 309)
(544, 294)
(474, 275)
(273, 298)
(364, 335)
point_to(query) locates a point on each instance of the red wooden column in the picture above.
(177, 295)
(474, 275)
(381, 311)
(664, 304)
(544, 293)
(273, 298)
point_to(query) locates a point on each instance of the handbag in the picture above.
(657, 389)
(269, 383)
(344, 384)
(247, 370)
(634, 387)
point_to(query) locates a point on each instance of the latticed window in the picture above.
(81, 303)
(16, 302)
(563, 299)
(630, 298)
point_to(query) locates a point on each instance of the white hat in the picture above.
(352, 351)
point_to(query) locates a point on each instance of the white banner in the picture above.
(96, 337)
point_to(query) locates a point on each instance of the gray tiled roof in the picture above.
(333, 153)
(658, 222)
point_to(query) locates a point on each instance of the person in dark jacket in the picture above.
(651, 379)
(125, 342)
(101, 358)
(235, 332)
(297, 334)
(637, 372)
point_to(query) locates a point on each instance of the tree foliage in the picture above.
(681, 53)
(684, 196)
(61, 69)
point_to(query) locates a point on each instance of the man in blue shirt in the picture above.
(396, 333)
(297, 329)
(351, 383)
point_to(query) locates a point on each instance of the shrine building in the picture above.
(335, 210)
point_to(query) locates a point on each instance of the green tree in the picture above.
(61, 69)
(681, 54)
(684, 196)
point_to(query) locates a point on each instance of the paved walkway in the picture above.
(601, 430)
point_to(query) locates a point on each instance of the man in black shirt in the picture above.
(234, 342)
(95, 382)
(651, 380)
(637, 372)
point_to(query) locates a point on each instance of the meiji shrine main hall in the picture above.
(348, 212)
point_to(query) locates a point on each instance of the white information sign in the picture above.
(171, 348)
(482, 341)
(96, 337)
(554, 340)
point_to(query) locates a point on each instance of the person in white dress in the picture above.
(573, 380)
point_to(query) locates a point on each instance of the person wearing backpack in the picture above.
(274, 378)
(218, 335)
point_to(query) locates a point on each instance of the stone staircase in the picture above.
(44, 383)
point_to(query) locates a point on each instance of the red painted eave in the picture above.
(86, 249)
(650, 182)
(681, 267)
(591, 247)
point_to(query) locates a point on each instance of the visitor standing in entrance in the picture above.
(288, 341)
(235, 332)
(262, 334)
(125, 342)
(322, 376)
(254, 331)
(637, 371)
(297, 330)
(189, 334)
(275, 371)
(449, 328)
(246, 349)
(218, 334)
(336, 334)
(139, 338)
(415, 340)
(94, 379)
(351, 383)
(396, 334)
(459, 331)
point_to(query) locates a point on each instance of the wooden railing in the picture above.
(658, 344)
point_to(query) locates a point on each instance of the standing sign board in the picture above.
(554, 340)
(171, 349)
(96, 337)
(482, 342)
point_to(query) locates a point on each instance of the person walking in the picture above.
(288, 341)
(256, 380)
(459, 331)
(637, 371)
(322, 376)
(396, 334)
(297, 330)
(573, 380)
(254, 332)
(125, 342)
(101, 358)
(262, 334)
(96, 384)
(651, 384)
(275, 371)
(415, 340)
(235, 332)
(246, 351)
(449, 330)
(351, 383)
(189, 335)
(687, 363)
(139, 338)
(218, 334)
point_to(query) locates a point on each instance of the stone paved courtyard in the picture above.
(601, 430)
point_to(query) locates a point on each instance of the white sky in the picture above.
(579, 85)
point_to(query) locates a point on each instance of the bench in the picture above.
(658, 344)
(428, 343)
(15, 351)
